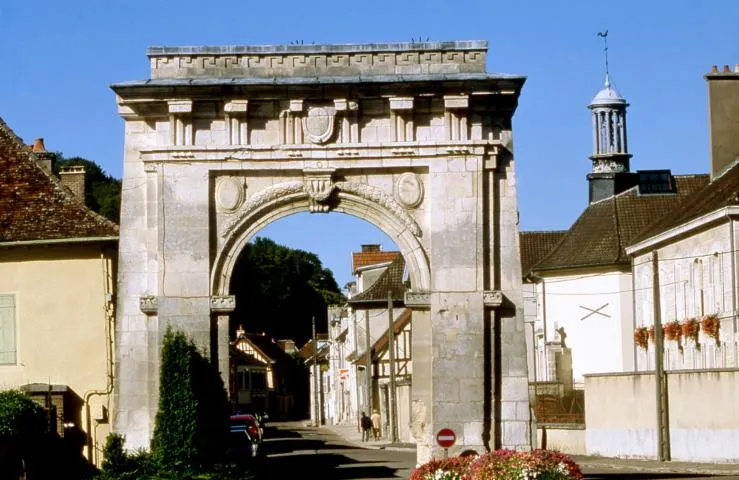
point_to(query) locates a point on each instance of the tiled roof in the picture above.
(391, 280)
(536, 245)
(722, 192)
(365, 259)
(34, 205)
(598, 237)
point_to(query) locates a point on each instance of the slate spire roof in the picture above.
(34, 205)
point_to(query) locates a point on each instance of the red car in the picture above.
(240, 422)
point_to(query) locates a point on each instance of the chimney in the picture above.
(240, 332)
(723, 119)
(373, 247)
(43, 158)
(74, 179)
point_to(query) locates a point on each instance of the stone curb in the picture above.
(636, 465)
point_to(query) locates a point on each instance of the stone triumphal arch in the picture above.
(413, 137)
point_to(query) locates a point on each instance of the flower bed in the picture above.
(443, 469)
(502, 465)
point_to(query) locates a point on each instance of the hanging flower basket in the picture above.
(710, 325)
(641, 337)
(691, 328)
(672, 330)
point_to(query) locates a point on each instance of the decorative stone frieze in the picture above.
(149, 304)
(222, 303)
(318, 60)
(379, 197)
(321, 187)
(418, 299)
(492, 298)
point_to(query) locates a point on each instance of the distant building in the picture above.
(264, 377)
(57, 284)
(583, 285)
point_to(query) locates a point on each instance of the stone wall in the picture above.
(211, 157)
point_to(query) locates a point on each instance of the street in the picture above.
(290, 449)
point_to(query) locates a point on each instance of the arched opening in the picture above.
(354, 375)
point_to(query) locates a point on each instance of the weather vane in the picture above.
(604, 35)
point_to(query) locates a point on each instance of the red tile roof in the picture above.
(723, 191)
(34, 205)
(536, 245)
(365, 259)
(601, 233)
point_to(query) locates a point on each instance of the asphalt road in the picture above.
(291, 450)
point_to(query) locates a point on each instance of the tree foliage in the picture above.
(102, 191)
(22, 421)
(192, 420)
(279, 289)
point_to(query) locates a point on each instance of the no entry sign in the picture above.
(446, 437)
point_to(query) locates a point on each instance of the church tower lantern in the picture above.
(610, 144)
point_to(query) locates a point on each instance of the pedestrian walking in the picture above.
(376, 424)
(366, 424)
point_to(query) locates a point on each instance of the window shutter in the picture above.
(7, 329)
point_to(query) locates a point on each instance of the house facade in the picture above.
(685, 266)
(57, 284)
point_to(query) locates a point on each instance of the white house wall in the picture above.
(595, 310)
(704, 258)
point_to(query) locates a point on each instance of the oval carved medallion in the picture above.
(230, 193)
(409, 190)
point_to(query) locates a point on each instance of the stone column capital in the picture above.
(401, 103)
(179, 106)
(492, 298)
(418, 300)
(456, 101)
(236, 106)
(222, 303)
(149, 304)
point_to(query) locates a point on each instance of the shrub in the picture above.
(436, 468)
(23, 422)
(191, 424)
(24, 433)
(175, 428)
(509, 464)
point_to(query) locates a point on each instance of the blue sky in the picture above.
(59, 58)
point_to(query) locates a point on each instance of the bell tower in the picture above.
(611, 155)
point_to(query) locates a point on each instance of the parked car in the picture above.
(241, 446)
(249, 423)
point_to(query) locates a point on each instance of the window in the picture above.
(7, 330)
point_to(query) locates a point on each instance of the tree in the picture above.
(279, 289)
(23, 429)
(192, 420)
(102, 191)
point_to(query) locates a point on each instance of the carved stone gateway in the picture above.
(413, 138)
